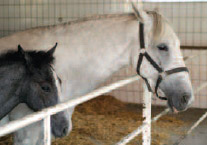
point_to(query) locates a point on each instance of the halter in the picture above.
(162, 74)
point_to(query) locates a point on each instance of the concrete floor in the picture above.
(199, 134)
(190, 116)
(198, 137)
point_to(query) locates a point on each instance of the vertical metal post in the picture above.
(146, 134)
(47, 131)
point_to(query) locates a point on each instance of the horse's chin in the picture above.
(169, 102)
(173, 109)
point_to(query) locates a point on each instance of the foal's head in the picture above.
(163, 45)
(40, 84)
(28, 77)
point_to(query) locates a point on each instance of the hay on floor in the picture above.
(105, 120)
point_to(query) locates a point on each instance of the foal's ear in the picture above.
(24, 54)
(20, 49)
(141, 15)
(52, 50)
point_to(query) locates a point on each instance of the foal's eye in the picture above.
(162, 47)
(46, 88)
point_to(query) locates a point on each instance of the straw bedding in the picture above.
(105, 120)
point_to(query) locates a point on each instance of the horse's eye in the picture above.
(162, 47)
(46, 88)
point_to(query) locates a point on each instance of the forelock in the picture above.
(40, 58)
(158, 23)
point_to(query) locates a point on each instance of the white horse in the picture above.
(90, 50)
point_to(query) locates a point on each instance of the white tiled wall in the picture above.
(188, 19)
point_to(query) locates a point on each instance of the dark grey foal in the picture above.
(28, 77)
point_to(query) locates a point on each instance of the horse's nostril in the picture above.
(185, 98)
(65, 131)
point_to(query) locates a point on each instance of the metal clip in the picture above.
(142, 50)
(163, 74)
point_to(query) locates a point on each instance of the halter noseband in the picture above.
(162, 74)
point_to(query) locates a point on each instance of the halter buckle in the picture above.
(142, 50)
(163, 74)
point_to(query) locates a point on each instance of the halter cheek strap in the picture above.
(162, 73)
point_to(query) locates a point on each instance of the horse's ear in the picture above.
(139, 12)
(24, 54)
(52, 50)
(20, 49)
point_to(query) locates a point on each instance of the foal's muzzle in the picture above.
(59, 125)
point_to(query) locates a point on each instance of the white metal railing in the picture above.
(140, 129)
(45, 114)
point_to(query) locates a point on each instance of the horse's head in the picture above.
(41, 86)
(163, 46)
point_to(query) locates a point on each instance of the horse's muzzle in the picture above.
(178, 90)
(59, 124)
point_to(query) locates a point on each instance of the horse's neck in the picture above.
(87, 71)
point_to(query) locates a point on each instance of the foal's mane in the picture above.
(36, 58)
